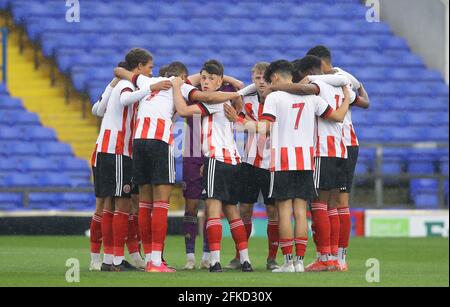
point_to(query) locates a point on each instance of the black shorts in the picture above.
(134, 187)
(112, 176)
(350, 167)
(153, 162)
(252, 181)
(292, 185)
(330, 173)
(220, 181)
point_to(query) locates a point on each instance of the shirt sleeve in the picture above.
(270, 108)
(187, 90)
(99, 107)
(142, 81)
(322, 109)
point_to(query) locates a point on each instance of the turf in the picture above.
(40, 261)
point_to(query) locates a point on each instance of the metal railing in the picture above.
(379, 178)
(4, 64)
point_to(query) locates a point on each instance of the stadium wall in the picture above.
(425, 26)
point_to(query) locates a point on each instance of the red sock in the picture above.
(239, 234)
(159, 225)
(136, 230)
(145, 226)
(333, 216)
(272, 235)
(214, 230)
(248, 224)
(300, 246)
(345, 226)
(96, 234)
(107, 232)
(120, 232)
(132, 238)
(314, 234)
(319, 212)
(287, 246)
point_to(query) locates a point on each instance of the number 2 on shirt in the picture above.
(300, 107)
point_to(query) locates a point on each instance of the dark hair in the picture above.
(321, 52)
(135, 57)
(163, 70)
(176, 69)
(123, 64)
(280, 66)
(213, 67)
(309, 62)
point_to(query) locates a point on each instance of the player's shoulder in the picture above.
(124, 84)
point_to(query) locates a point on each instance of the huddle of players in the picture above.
(294, 117)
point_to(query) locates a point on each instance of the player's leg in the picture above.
(120, 232)
(272, 236)
(107, 232)
(122, 201)
(145, 219)
(239, 235)
(246, 212)
(190, 226)
(161, 196)
(272, 217)
(96, 236)
(344, 206)
(286, 235)
(141, 178)
(133, 238)
(301, 233)
(320, 219)
(214, 229)
(192, 192)
(335, 226)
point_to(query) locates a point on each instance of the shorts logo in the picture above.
(127, 189)
(184, 186)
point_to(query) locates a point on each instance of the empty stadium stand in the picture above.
(409, 101)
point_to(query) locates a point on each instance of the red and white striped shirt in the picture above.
(156, 110)
(116, 131)
(349, 134)
(218, 140)
(330, 142)
(257, 146)
(292, 132)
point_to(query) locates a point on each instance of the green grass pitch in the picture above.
(40, 261)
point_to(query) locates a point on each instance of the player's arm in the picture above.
(334, 80)
(237, 84)
(244, 123)
(99, 108)
(141, 81)
(128, 97)
(297, 88)
(180, 103)
(362, 100)
(214, 97)
(338, 115)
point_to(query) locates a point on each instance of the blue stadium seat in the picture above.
(39, 165)
(8, 134)
(51, 149)
(14, 199)
(40, 134)
(21, 149)
(426, 201)
(54, 180)
(3, 89)
(8, 103)
(19, 180)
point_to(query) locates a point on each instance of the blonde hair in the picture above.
(260, 67)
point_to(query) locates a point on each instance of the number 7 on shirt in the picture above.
(300, 107)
